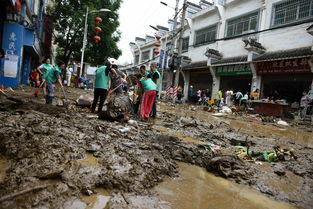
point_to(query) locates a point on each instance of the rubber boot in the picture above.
(49, 99)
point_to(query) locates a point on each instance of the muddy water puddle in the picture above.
(198, 189)
(98, 200)
(90, 160)
(182, 137)
(4, 165)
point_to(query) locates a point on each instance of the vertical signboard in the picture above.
(12, 44)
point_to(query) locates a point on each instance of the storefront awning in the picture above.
(196, 65)
(287, 54)
(231, 61)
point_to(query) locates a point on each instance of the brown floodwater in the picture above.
(90, 160)
(98, 200)
(198, 189)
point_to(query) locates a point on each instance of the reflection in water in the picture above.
(4, 165)
(198, 189)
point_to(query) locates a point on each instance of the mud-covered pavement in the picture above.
(51, 157)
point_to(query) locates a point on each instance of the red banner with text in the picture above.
(288, 66)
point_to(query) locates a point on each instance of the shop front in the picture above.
(235, 77)
(285, 79)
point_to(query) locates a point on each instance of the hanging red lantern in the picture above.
(96, 39)
(98, 30)
(156, 51)
(157, 44)
(98, 20)
(158, 37)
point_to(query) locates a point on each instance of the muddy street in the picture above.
(53, 157)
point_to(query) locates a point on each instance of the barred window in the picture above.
(185, 44)
(145, 55)
(292, 10)
(206, 35)
(242, 24)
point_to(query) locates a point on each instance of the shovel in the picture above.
(105, 101)
(11, 98)
(65, 101)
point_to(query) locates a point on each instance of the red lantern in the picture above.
(157, 44)
(156, 51)
(96, 39)
(98, 20)
(158, 37)
(98, 30)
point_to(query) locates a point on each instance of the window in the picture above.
(185, 44)
(206, 35)
(145, 55)
(242, 24)
(136, 59)
(292, 10)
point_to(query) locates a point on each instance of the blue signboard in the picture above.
(165, 60)
(12, 45)
(161, 58)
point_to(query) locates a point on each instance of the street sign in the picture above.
(165, 60)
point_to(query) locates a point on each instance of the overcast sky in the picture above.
(135, 18)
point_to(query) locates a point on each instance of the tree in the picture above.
(69, 18)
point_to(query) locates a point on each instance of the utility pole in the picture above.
(180, 46)
(171, 52)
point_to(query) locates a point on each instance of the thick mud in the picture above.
(51, 157)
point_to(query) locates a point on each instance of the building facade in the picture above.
(26, 35)
(246, 45)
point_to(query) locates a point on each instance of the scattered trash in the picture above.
(282, 123)
(225, 109)
(212, 147)
(92, 116)
(218, 114)
(277, 154)
(124, 130)
(132, 123)
(127, 145)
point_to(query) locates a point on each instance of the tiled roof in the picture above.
(287, 54)
(162, 27)
(231, 60)
(194, 5)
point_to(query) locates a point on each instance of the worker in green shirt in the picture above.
(102, 85)
(43, 69)
(147, 93)
(51, 77)
(156, 78)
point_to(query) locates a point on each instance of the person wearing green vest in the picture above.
(43, 69)
(156, 78)
(102, 85)
(51, 77)
(147, 93)
(219, 97)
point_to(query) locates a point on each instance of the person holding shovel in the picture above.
(51, 77)
(147, 93)
(102, 85)
(43, 70)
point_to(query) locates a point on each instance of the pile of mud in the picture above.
(56, 155)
